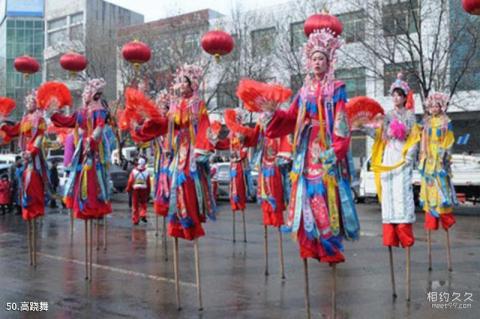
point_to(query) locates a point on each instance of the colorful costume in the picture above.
(139, 185)
(321, 209)
(437, 195)
(86, 190)
(393, 157)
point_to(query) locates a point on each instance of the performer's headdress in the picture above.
(162, 99)
(31, 100)
(400, 84)
(92, 87)
(192, 72)
(438, 98)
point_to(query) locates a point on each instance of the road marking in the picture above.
(120, 270)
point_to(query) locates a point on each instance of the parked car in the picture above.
(8, 158)
(119, 178)
(222, 177)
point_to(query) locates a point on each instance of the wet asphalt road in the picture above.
(131, 279)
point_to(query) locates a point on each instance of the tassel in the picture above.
(327, 246)
(286, 229)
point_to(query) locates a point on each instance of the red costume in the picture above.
(139, 185)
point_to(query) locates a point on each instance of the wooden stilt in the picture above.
(334, 290)
(280, 252)
(156, 225)
(265, 241)
(91, 251)
(86, 249)
(233, 224)
(29, 237)
(244, 227)
(392, 273)
(307, 291)
(71, 224)
(197, 272)
(97, 223)
(408, 274)
(449, 257)
(429, 249)
(164, 234)
(175, 268)
(104, 232)
(34, 240)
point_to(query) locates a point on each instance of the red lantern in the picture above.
(26, 65)
(471, 6)
(136, 52)
(323, 20)
(73, 62)
(217, 43)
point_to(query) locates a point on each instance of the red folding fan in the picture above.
(254, 93)
(362, 110)
(53, 92)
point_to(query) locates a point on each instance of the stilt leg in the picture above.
(86, 249)
(29, 236)
(164, 234)
(449, 257)
(34, 240)
(392, 273)
(97, 223)
(408, 274)
(429, 249)
(307, 291)
(91, 251)
(334, 290)
(244, 227)
(71, 224)
(280, 252)
(233, 224)
(156, 225)
(266, 248)
(104, 232)
(175, 268)
(197, 272)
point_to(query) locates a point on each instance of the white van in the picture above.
(8, 158)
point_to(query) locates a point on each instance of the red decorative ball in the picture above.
(471, 6)
(323, 21)
(73, 62)
(26, 64)
(136, 52)
(217, 43)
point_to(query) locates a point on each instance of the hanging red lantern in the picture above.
(217, 43)
(321, 21)
(73, 62)
(471, 6)
(137, 53)
(26, 65)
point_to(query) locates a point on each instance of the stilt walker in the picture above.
(35, 178)
(86, 190)
(321, 211)
(437, 194)
(241, 183)
(393, 157)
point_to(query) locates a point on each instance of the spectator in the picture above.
(14, 174)
(55, 181)
(5, 194)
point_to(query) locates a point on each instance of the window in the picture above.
(76, 33)
(400, 18)
(76, 18)
(190, 44)
(297, 35)
(354, 80)
(226, 97)
(57, 36)
(263, 41)
(57, 23)
(390, 72)
(353, 26)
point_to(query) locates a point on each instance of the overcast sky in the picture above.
(158, 9)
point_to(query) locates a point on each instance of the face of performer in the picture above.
(435, 109)
(186, 87)
(31, 107)
(399, 98)
(97, 96)
(319, 64)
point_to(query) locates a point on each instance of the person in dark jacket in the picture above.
(55, 182)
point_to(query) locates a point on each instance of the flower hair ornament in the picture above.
(325, 42)
(192, 72)
(92, 87)
(439, 98)
(401, 84)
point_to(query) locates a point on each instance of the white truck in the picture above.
(465, 178)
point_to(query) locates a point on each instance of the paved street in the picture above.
(131, 279)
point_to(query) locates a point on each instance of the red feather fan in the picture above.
(61, 132)
(7, 105)
(253, 92)
(138, 105)
(53, 92)
(122, 120)
(216, 127)
(233, 125)
(361, 110)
